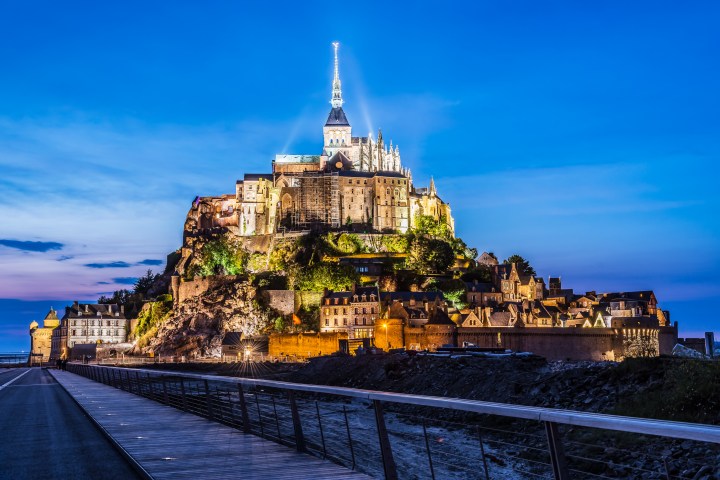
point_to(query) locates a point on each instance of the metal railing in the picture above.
(381, 433)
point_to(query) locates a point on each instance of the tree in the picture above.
(427, 225)
(222, 256)
(429, 255)
(395, 243)
(481, 273)
(454, 291)
(145, 283)
(120, 297)
(323, 275)
(522, 265)
(349, 243)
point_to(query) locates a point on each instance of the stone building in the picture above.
(41, 337)
(356, 182)
(354, 312)
(85, 323)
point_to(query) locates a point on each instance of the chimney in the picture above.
(122, 309)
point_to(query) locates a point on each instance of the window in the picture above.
(345, 321)
(327, 322)
(336, 324)
(356, 310)
(334, 311)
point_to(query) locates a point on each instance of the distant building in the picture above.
(85, 323)
(41, 337)
(354, 312)
(356, 183)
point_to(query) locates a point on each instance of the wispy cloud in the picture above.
(150, 262)
(125, 280)
(31, 246)
(109, 265)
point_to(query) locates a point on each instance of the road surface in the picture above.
(46, 435)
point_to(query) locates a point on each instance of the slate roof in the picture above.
(87, 310)
(358, 291)
(254, 177)
(440, 318)
(641, 295)
(406, 296)
(337, 118)
(500, 319)
(479, 287)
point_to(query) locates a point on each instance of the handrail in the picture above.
(664, 428)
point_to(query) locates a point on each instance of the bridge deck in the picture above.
(168, 443)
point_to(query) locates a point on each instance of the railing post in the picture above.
(277, 422)
(243, 409)
(165, 393)
(259, 412)
(385, 448)
(150, 386)
(207, 400)
(297, 425)
(557, 454)
(482, 452)
(322, 435)
(182, 392)
(350, 442)
(427, 449)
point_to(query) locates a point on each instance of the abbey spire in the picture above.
(336, 101)
(337, 132)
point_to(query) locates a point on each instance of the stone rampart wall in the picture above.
(200, 285)
(281, 300)
(304, 345)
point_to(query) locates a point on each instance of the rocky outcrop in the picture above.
(196, 327)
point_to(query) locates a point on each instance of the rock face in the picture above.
(196, 327)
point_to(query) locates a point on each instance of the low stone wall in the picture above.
(305, 345)
(552, 343)
(281, 300)
(200, 285)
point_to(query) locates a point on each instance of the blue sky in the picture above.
(582, 135)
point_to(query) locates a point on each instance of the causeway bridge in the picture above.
(109, 422)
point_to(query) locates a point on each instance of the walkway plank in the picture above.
(170, 444)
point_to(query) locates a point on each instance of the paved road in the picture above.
(45, 435)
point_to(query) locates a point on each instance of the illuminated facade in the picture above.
(41, 337)
(87, 323)
(355, 183)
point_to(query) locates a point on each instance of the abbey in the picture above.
(356, 183)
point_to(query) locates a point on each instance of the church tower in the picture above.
(337, 131)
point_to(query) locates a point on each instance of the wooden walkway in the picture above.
(170, 444)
